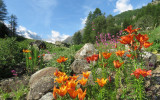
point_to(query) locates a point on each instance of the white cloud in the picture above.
(56, 36)
(22, 31)
(83, 22)
(123, 5)
(21, 28)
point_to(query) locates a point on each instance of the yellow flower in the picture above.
(101, 82)
(26, 51)
(86, 74)
(83, 81)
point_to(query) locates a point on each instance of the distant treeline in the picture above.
(148, 17)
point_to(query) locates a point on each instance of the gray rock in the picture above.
(87, 50)
(47, 57)
(39, 44)
(79, 66)
(48, 96)
(150, 59)
(152, 85)
(41, 82)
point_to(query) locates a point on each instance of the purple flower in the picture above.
(13, 71)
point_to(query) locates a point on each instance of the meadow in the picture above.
(122, 74)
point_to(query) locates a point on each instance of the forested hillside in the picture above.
(146, 18)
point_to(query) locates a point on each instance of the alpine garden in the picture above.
(117, 69)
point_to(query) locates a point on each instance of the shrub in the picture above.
(10, 55)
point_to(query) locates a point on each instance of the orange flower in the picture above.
(86, 74)
(30, 58)
(147, 44)
(101, 82)
(26, 51)
(106, 55)
(127, 39)
(139, 72)
(62, 90)
(92, 58)
(130, 31)
(81, 94)
(54, 92)
(74, 77)
(109, 78)
(142, 38)
(120, 53)
(83, 81)
(61, 59)
(73, 93)
(115, 45)
(72, 84)
(117, 64)
(100, 55)
(43, 55)
(128, 55)
(61, 79)
(58, 73)
(38, 56)
(103, 64)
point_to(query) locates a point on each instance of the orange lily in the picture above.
(120, 53)
(58, 73)
(61, 79)
(128, 55)
(115, 45)
(117, 64)
(139, 72)
(109, 78)
(92, 58)
(86, 74)
(106, 55)
(81, 94)
(142, 38)
(61, 59)
(147, 44)
(30, 58)
(62, 90)
(54, 92)
(101, 82)
(26, 51)
(73, 93)
(72, 84)
(127, 39)
(130, 31)
(83, 81)
(74, 77)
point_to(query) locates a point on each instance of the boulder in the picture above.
(47, 57)
(87, 50)
(79, 66)
(40, 44)
(150, 59)
(41, 82)
(48, 96)
(152, 85)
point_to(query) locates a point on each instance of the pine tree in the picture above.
(13, 23)
(3, 11)
(77, 38)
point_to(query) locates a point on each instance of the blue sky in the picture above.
(58, 19)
